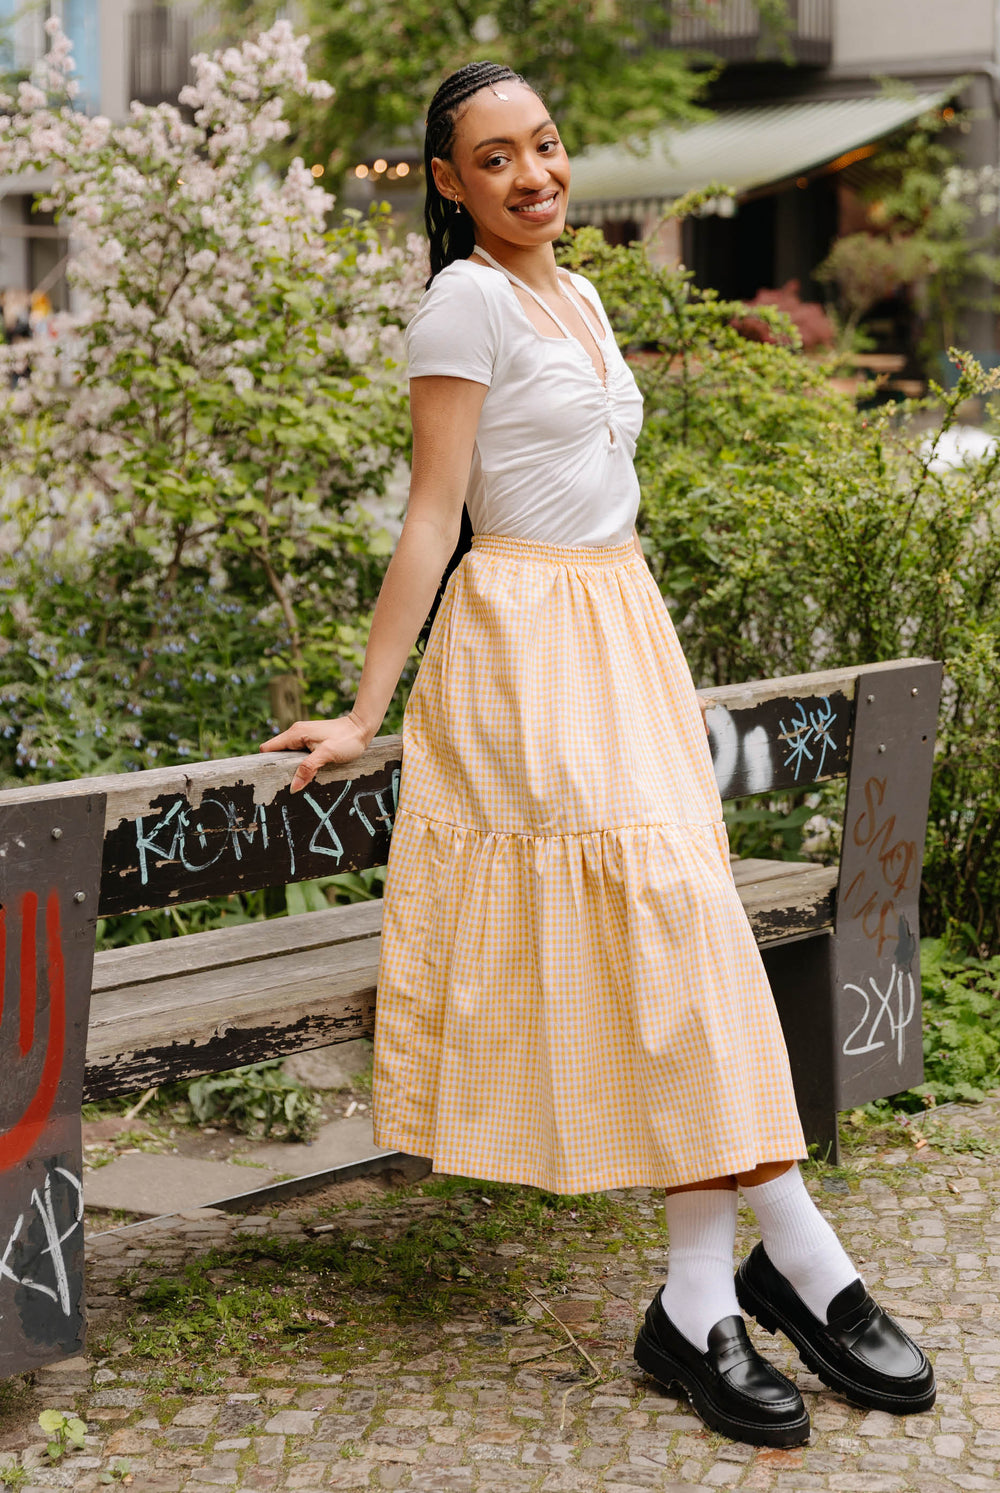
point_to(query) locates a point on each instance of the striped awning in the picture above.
(747, 149)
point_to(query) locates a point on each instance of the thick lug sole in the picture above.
(669, 1372)
(859, 1394)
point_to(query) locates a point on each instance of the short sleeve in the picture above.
(455, 332)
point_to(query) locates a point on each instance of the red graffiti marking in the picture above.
(893, 869)
(18, 1141)
(29, 970)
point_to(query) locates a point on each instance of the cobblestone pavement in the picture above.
(492, 1395)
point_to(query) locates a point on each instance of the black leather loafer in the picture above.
(732, 1388)
(860, 1351)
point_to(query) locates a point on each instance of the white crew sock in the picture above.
(699, 1290)
(799, 1241)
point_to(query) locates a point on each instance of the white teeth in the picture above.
(536, 207)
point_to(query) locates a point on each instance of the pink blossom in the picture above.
(29, 97)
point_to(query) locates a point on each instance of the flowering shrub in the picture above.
(228, 392)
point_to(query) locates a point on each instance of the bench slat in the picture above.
(186, 1006)
(784, 908)
(750, 869)
(141, 1035)
(244, 943)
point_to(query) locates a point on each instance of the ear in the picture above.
(445, 179)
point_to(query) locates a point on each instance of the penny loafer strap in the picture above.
(729, 1346)
(850, 1325)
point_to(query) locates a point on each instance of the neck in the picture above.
(535, 264)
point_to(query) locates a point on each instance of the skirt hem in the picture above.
(577, 1185)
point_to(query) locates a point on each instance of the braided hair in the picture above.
(450, 230)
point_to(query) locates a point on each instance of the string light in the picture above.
(379, 166)
(361, 172)
(851, 157)
(317, 170)
(402, 169)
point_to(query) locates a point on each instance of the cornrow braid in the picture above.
(450, 231)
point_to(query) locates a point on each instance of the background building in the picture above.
(793, 135)
(124, 49)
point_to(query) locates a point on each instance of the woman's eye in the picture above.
(496, 160)
(549, 145)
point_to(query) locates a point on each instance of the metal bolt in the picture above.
(882, 747)
(914, 691)
(870, 699)
(82, 896)
(57, 834)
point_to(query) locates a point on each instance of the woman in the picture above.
(569, 992)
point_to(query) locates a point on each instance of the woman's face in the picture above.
(508, 167)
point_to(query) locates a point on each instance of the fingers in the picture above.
(326, 752)
(292, 740)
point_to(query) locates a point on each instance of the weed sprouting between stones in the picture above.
(422, 1253)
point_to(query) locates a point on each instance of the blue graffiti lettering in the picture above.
(807, 729)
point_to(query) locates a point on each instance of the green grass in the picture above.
(424, 1262)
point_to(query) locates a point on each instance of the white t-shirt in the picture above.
(554, 446)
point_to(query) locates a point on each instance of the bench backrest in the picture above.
(177, 834)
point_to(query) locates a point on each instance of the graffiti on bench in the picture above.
(889, 870)
(888, 1011)
(885, 819)
(35, 1257)
(50, 856)
(33, 1082)
(230, 843)
(780, 744)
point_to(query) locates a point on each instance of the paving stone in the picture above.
(338, 1143)
(448, 1406)
(291, 1422)
(154, 1184)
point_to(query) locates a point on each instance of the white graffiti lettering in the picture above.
(43, 1204)
(754, 749)
(194, 839)
(901, 987)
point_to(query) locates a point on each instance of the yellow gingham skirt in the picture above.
(569, 993)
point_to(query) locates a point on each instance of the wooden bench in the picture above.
(840, 942)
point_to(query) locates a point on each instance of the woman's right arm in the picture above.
(445, 414)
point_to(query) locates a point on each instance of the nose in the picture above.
(532, 172)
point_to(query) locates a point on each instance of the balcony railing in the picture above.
(159, 54)
(733, 31)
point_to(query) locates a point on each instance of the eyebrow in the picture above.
(546, 124)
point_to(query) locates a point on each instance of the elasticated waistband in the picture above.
(555, 554)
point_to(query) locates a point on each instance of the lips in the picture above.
(538, 207)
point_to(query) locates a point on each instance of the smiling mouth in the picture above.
(538, 208)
